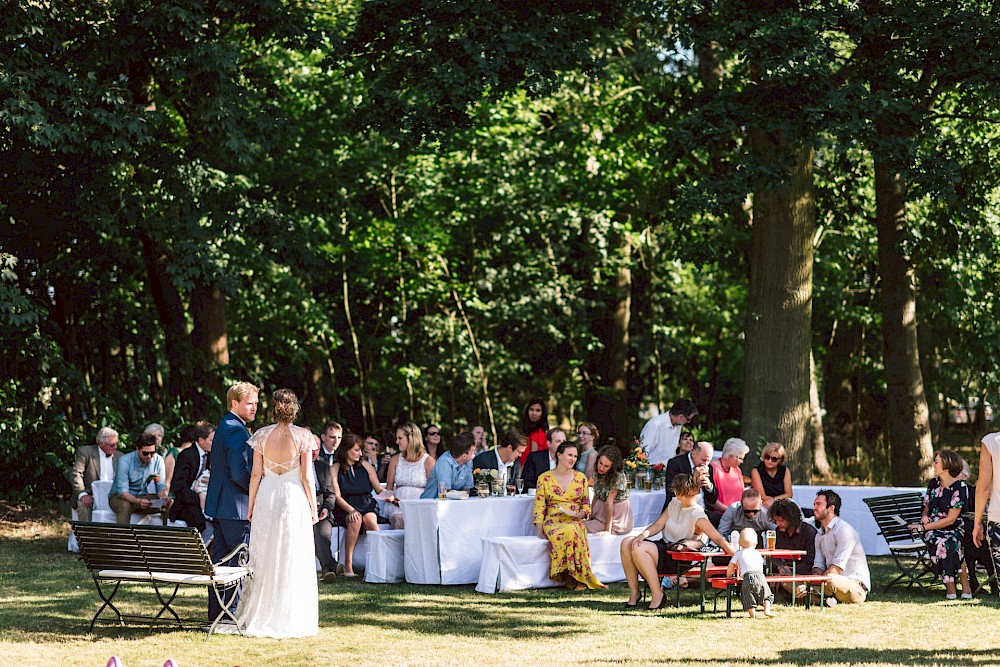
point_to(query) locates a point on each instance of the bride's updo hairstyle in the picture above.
(284, 406)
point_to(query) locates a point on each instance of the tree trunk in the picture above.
(169, 307)
(779, 308)
(909, 424)
(820, 463)
(618, 345)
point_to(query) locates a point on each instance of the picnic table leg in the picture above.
(729, 600)
(795, 586)
(701, 585)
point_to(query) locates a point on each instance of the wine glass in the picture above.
(520, 485)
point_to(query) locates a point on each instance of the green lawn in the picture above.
(47, 599)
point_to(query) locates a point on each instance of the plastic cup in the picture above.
(772, 538)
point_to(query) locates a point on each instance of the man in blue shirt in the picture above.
(139, 480)
(454, 468)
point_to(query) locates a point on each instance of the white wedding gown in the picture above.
(282, 599)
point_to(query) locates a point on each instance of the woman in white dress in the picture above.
(408, 470)
(281, 600)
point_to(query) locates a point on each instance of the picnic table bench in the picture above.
(731, 584)
(162, 556)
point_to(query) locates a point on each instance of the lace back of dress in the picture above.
(279, 467)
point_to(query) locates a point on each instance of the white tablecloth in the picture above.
(855, 511)
(385, 556)
(443, 542)
(518, 563)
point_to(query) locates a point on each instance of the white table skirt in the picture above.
(385, 556)
(855, 511)
(518, 563)
(443, 541)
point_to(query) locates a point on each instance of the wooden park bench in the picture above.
(162, 556)
(732, 584)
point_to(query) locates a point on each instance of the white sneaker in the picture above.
(831, 602)
(950, 596)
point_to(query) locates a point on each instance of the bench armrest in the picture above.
(241, 553)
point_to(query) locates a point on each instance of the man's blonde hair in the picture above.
(239, 391)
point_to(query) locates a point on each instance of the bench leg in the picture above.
(107, 603)
(223, 601)
(165, 604)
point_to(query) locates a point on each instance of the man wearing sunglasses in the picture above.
(140, 483)
(747, 513)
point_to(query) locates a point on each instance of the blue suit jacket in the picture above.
(229, 485)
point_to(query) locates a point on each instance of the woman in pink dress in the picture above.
(728, 475)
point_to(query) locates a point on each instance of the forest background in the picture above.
(434, 210)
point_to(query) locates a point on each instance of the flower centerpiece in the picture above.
(636, 462)
(485, 478)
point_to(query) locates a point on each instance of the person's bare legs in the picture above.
(350, 541)
(631, 572)
(963, 576)
(644, 558)
(767, 609)
(752, 612)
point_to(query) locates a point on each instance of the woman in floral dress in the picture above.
(612, 511)
(942, 525)
(562, 503)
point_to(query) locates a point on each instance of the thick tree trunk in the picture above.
(909, 424)
(841, 393)
(210, 338)
(169, 306)
(779, 309)
(618, 346)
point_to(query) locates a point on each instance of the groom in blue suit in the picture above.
(229, 485)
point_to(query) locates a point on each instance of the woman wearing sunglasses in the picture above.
(770, 477)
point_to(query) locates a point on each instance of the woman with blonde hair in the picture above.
(770, 477)
(408, 470)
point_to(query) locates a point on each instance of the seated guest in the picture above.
(588, 436)
(139, 481)
(192, 462)
(370, 447)
(170, 458)
(354, 506)
(748, 512)
(770, 477)
(454, 468)
(434, 441)
(612, 511)
(683, 519)
(727, 473)
(942, 525)
(544, 459)
(793, 533)
(92, 463)
(479, 435)
(562, 504)
(326, 505)
(408, 470)
(505, 455)
(685, 444)
(839, 553)
(696, 464)
(330, 438)
(386, 450)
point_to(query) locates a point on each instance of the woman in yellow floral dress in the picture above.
(562, 504)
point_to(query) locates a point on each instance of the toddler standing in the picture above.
(748, 562)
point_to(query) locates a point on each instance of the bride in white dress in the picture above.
(281, 600)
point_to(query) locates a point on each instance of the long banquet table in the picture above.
(443, 539)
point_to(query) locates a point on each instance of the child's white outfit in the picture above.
(754, 590)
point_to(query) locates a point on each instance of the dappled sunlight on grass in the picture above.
(49, 598)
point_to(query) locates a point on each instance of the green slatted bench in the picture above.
(164, 557)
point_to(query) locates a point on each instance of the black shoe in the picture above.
(328, 577)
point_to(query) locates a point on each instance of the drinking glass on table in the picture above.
(771, 537)
(520, 485)
(442, 490)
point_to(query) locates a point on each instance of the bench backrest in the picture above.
(138, 548)
(893, 513)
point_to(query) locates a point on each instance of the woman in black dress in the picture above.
(353, 481)
(770, 477)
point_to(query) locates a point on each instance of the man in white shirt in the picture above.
(92, 463)
(661, 434)
(839, 553)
